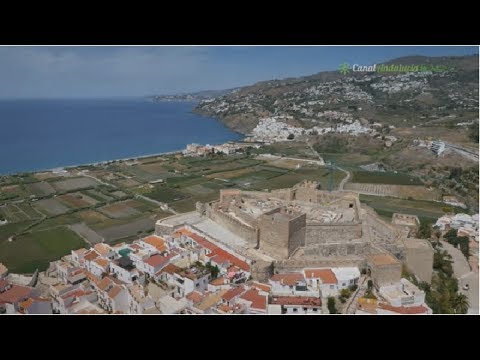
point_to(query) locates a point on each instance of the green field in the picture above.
(386, 206)
(165, 194)
(35, 250)
(373, 177)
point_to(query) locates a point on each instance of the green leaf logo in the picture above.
(344, 68)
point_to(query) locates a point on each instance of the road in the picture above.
(344, 180)
(470, 154)
(461, 270)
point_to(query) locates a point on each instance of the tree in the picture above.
(332, 309)
(460, 304)
(425, 230)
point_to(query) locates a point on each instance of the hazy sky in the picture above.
(39, 72)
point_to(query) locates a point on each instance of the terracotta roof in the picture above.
(30, 301)
(216, 250)
(114, 291)
(225, 308)
(257, 301)
(102, 249)
(77, 272)
(158, 260)
(219, 281)
(233, 292)
(156, 241)
(91, 255)
(403, 309)
(210, 300)
(91, 277)
(261, 286)
(14, 294)
(170, 269)
(104, 283)
(325, 275)
(296, 300)
(76, 293)
(288, 279)
(195, 297)
(103, 263)
(383, 259)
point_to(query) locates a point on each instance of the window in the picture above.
(295, 309)
(331, 286)
(315, 310)
(197, 285)
(343, 284)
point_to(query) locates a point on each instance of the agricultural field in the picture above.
(82, 230)
(117, 232)
(127, 183)
(417, 192)
(41, 188)
(165, 194)
(121, 209)
(427, 210)
(377, 177)
(36, 249)
(51, 207)
(77, 200)
(19, 212)
(97, 195)
(74, 184)
(118, 194)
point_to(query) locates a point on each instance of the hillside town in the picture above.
(247, 253)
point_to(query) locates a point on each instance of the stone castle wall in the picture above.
(322, 234)
(248, 233)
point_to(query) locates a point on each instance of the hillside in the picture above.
(399, 99)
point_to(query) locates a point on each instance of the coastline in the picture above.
(93, 158)
(104, 162)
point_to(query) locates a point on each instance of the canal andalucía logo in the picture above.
(344, 68)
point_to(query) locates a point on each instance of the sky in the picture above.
(113, 71)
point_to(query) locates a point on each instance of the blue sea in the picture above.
(45, 134)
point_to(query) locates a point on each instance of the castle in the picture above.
(297, 226)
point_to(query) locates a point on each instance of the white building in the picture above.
(124, 269)
(322, 281)
(293, 305)
(346, 276)
(403, 293)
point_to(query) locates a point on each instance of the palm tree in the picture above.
(461, 304)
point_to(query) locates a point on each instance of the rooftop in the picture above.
(103, 263)
(158, 260)
(171, 269)
(215, 249)
(327, 276)
(296, 300)
(13, 293)
(257, 301)
(288, 279)
(156, 241)
(261, 286)
(233, 292)
(102, 249)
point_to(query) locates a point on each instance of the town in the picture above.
(297, 250)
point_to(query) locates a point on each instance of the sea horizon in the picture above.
(45, 134)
